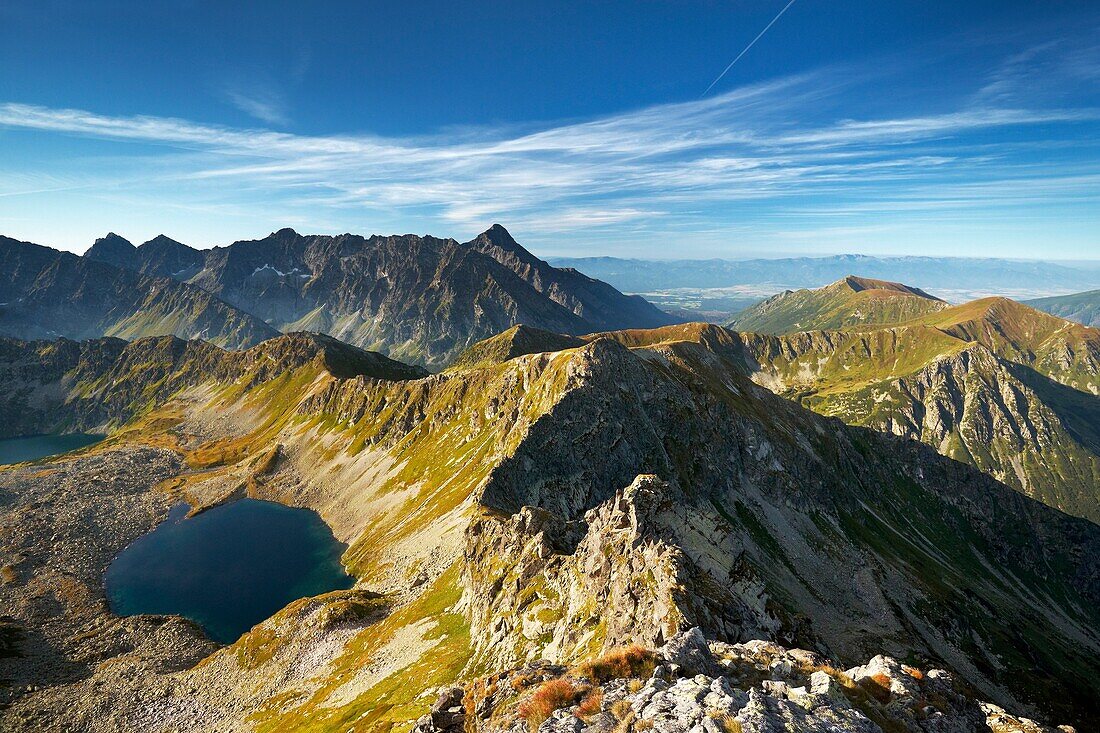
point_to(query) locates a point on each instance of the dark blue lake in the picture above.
(17, 450)
(229, 567)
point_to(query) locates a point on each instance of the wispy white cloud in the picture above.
(1045, 72)
(262, 104)
(702, 163)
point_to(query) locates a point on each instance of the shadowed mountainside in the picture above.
(63, 385)
(416, 298)
(1083, 308)
(50, 294)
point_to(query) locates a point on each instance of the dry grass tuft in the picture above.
(550, 696)
(628, 661)
(522, 680)
(913, 672)
(881, 679)
(877, 686)
(8, 574)
(727, 723)
(622, 709)
(591, 704)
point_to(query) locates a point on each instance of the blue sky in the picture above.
(931, 127)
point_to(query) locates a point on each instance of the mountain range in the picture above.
(623, 488)
(421, 299)
(589, 516)
(47, 294)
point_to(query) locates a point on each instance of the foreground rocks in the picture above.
(694, 685)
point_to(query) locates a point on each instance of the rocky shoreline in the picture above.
(61, 524)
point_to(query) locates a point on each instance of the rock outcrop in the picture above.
(753, 687)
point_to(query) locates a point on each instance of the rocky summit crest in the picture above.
(112, 249)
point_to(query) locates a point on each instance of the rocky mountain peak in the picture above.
(112, 248)
(341, 360)
(113, 238)
(497, 242)
(519, 340)
(162, 240)
(498, 235)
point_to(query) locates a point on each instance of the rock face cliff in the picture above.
(558, 505)
(420, 299)
(48, 294)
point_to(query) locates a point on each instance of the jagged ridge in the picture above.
(420, 299)
(50, 294)
(498, 505)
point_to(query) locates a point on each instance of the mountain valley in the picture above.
(545, 497)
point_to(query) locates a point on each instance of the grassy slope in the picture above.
(885, 377)
(907, 528)
(848, 302)
(1083, 308)
(1066, 352)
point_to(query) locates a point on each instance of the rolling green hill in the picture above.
(848, 302)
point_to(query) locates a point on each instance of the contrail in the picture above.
(758, 36)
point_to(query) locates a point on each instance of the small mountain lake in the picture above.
(229, 567)
(31, 448)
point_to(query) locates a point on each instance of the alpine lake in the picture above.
(227, 568)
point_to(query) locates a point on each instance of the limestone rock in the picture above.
(689, 653)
